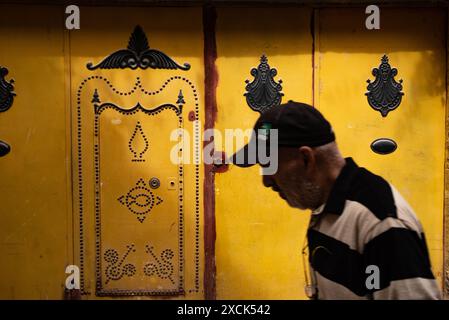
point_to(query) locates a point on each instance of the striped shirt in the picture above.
(366, 222)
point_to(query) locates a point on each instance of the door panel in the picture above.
(143, 208)
(140, 216)
(414, 42)
(34, 185)
(259, 238)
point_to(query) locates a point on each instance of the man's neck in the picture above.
(329, 177)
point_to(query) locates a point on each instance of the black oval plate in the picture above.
(4, 148)
(383, 146)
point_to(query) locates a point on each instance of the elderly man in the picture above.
(364, 240)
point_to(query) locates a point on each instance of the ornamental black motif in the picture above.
(162, 268)
(6, 90)
(140, 200)
(115, 269)
(384, 94)
(138, 143)
(84, 215)
(138, 55)
(263, 92)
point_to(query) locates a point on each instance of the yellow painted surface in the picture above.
(259, 238)
(414, 40)
(49, 65)
(34, 223)
(123, 184)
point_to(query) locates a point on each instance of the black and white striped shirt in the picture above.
(364, 222)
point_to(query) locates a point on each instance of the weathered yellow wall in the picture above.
(35, 227)
(259, 238)
(49, 64)
(414, 40)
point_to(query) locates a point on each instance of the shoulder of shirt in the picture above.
(374, 193)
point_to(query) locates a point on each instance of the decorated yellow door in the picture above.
(403, 106)
(91, 140)
(394, 124)
(259, 237)
(134, 93)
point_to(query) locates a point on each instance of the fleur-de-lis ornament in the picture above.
(6, 100)
(384, 93)
(6, 90)
(263, 92)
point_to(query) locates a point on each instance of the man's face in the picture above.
(293, 180)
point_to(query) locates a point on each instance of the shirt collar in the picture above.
(318, 210)
(338, 194)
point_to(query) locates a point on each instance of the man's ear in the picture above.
(309, 159)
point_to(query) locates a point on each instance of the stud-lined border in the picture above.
(138, 84)
(100, 291)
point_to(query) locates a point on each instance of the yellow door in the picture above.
(325, 58)
(139, 211)
(259, 237)
(93, 125)
(413, 41)
(35, 212)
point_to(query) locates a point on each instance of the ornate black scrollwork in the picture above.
(263, 92)
(384, 94)
(6, 91)
(138, 55)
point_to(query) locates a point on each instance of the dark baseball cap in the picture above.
(298, 124)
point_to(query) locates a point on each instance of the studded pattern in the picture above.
(140, 200)
(163, 267)
(115, 269)
(133, 143)
(128, 269)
